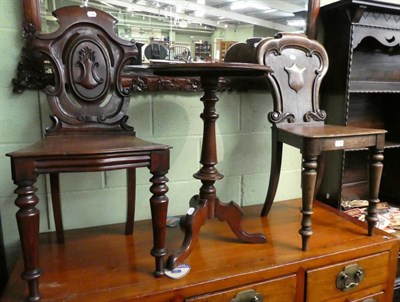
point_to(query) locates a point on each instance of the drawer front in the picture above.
(276, 290)
(380, 297)
(322, 282)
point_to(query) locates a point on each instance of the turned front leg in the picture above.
(308, 180)
(375, 174)
(159, 207)
(28, 226)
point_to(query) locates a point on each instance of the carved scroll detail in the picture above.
(318, 115)
(277, 117)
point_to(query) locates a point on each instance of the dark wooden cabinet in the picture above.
(362, 88)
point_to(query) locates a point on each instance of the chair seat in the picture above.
(328, 137)
(328, 131)
(82, 144)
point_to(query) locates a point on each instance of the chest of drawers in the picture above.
(342, 264)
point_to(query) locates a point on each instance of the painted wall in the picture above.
(90, 199)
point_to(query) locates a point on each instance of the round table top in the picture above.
(210, 69)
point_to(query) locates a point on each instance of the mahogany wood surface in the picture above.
(101, 264)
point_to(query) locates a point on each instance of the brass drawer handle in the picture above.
(350, 277)
(248, 296)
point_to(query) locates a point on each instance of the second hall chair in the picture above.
(89, 131)
(298, 66)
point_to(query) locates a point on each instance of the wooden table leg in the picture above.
(206, 204)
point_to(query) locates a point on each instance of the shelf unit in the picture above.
(223, 47)
(362, 88)
(203, 50)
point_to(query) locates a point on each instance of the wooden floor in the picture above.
(102, 264)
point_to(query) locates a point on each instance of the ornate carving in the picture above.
(88, 67)
(277, 117)
(386, 36)
(305, 62)
(160, 83)
(156, 83)
(31, 72)
(89, 74)
(318, 115)
(296, 77)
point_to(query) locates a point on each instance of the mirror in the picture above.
(195, 30)
(180, 30)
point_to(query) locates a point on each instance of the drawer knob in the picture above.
(248, 296)
(350, 277)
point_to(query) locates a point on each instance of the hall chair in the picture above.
(298, 66)
(89, 131)
(179, 53)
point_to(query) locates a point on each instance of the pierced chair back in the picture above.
(298, 67)
(87, 58)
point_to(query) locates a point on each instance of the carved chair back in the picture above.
(87, 58)
(180, 53)
(298, 67)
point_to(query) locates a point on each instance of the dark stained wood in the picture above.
(3, 265)
(100, 264)
(362, 88)
(31, 10)
(298, 66)
(206, 203)
(89, 131)
(362, 94)
(312, 18)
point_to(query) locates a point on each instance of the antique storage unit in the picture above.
(223, 47)
(362, 88)
(202, 50)
(343, 264)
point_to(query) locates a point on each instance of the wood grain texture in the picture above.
(101, 264)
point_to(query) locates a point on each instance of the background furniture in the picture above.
(223, 47)
(202, 50)
(362, 88)
(89, 131)
(206, 204)
(298, 66)
(220, 268)
(179, 53)
(155, 51)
